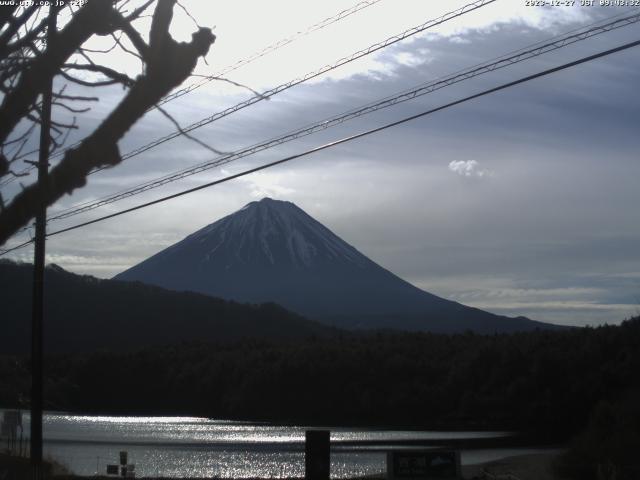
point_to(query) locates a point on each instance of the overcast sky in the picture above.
(523, 202)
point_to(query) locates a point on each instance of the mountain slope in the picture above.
(273, 251)
(83, 313)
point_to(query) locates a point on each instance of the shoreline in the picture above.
(529, 466)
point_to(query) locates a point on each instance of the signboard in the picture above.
(113, 469)
(317, 455)
(128, 471)
(433, 464)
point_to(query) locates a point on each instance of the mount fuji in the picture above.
(272, 251)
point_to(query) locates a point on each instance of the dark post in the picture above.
(316, 455)
(38, 270)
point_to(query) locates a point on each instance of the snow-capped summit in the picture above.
(272, 251)
(273, 232)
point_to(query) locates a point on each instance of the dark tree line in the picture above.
(85, 314)
(544, 382)
(608, 447)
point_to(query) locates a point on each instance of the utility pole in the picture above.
(37, 377)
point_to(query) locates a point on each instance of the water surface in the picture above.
(200, 447)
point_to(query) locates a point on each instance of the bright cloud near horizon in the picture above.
(523, 202)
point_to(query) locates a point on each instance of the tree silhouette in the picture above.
(27, 62)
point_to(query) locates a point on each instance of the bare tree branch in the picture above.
(27, 40)
(139, 11)
(187, 135)
(6, 14)
(64, 140)
(195, 22)
(120, 44)
(14, 26)
(85, 83)
(4, 165)
(106, 71)
(170, 63)
(71, 109)
(20, 138)
(240, 85)
(95, 16)
(75, 98)
(108, 50)
(135, 38)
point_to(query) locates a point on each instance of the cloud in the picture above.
(568, 256)
(264, 184)
(468, 168)
(593, 301)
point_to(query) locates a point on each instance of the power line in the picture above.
(479, 69)
(285, 86)
(327, 68)
(352, 137)
(240, 63)
(270, 48)
(17, 247)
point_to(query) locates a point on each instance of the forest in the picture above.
(580, 385)
(85, 314)
(544, 381)
(577, 385)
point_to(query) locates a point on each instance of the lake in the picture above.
(200, 447)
